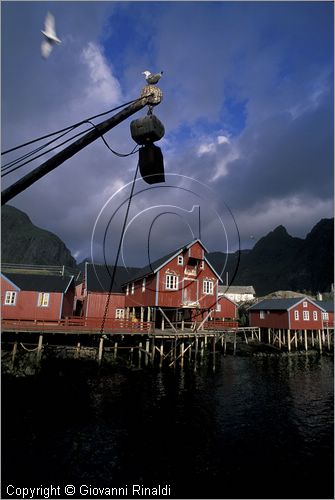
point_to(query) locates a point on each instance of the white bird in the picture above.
(152, 78)
(50, 36)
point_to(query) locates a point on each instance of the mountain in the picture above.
(24, 243)
(279, 261)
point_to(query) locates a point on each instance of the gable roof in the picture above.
(98, 277)
(236, 289)
(39, 282)
(280, 304)
(327, 305)
(155, 266)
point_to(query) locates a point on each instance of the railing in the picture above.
(74, 324)
(328, 324)
(220, 325)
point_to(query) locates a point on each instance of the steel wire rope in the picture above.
(70, 126)
(118, 251)
(121, 155)
(45, 152)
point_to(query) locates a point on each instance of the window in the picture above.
(262, 314)
(180, 260)
(127, 290)
(10, 298)
(202, 265)
(315, 315)
(143, 285)
(296, 315)
(218, 308)
(325, 316)
(119, 314)
(305, 315)
(132, 288)
(304, 304)
(208, 287)
(43, 299)
(171, 282)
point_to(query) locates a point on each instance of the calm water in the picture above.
(256, 428)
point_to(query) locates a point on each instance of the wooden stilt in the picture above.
(14, 353)
(205, 340)
(295, 339)
(306, 343)
(328, 339)
(284, 338)
(269, 335)
(289, 340)
(147, 345)
(182, 354)
(39, 348)
(182, 325)
(225, 345)
(149, 314)
(115, 350)
(77, 354)
(161, 354)
(323, 337)
(190, 351)
(320, 340)
(142, 317)
(234, 342)
(279, 339)
(201, 351)
(162, 326)
(312, 338)
(100, 350)
(139, 354)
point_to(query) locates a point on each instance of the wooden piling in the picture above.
(139, 354)
(306, 343)
(100, 350)
(320, 340)
(153, 350)
(328, 339)
(147, 345)
(201, 351)
(225, 345)
(269, 335)
(312, 338)
(234, 342)
(279, 339)
(182, 354)
(14, 353)
(161, 354)
(289, 340)
(39, 348)
(115, 350)
(296, 339)
(182, 325)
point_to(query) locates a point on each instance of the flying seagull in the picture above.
(50, 36)
(152, 78)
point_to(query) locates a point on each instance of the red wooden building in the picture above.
(290, 314)
(36, 296)
(225, 309)
(92, 293)
(181, 286)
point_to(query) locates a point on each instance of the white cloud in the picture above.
(102, 84)
(222, 139)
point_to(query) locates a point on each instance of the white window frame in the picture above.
(127, 289)
(218, 308)
(305, 315)
(180, 260)
(315, 315)
(143, 284)
(325, 316)
(262, 314)
(208, 287)
(119, 313)
(171, 282)
(305, 304)
(296, 315)
(43, 299)
(10, 298)
(132, 288)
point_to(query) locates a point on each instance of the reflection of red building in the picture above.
(291, 314)
(36, 296)
(179, 286)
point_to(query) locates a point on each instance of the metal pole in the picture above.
(82, 142)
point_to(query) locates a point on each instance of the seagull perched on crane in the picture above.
(50, 36)
(152, 78)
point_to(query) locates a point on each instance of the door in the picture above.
(190, 291)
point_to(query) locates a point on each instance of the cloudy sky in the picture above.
(247, 109)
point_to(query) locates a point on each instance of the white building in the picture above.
(238, 294)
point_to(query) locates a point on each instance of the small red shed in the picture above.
(36, 296)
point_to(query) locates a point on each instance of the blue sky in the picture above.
(247, 108)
